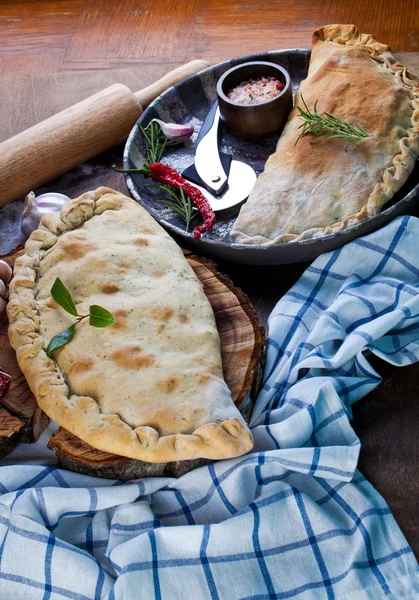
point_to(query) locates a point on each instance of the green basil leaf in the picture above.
(61, 339)
(100, 317)
(63, 297)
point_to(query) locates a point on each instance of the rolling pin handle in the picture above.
(148, 94)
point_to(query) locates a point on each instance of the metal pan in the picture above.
(190, 100)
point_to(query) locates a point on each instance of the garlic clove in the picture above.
(173, 131)
(3, 289)
(29, 205)
(36, 207)
(5, 271)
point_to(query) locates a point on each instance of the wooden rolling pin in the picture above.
(77, 134)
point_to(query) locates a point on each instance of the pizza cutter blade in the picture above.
(241, 180)
(223, 181)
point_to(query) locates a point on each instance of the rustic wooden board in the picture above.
(241, 348)
(18, 400)
(10, 427)
(237, 323)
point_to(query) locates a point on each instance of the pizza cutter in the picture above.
(223, 181)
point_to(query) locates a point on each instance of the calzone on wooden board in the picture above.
(149, 387)
(312, 189)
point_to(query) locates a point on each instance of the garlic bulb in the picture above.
(35, 208)
(5, 271)
(5, 275)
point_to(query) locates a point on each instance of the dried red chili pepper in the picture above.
(164, 174)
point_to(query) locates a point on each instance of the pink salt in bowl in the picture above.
(254, 121)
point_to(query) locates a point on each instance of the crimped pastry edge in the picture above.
(395, 176)
(79, 414)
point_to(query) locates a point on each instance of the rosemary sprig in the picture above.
(179, 202)
(156, 141)
(333, 127)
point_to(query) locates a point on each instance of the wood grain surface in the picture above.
(52, 36)
(18, 402)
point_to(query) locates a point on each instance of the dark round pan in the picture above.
(190, 100)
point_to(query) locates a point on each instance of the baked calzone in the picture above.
(311, 189)
(149, 387)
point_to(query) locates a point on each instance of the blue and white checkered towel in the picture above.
(293, 519)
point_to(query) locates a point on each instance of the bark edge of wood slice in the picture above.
(75, 455)
(18, 404)
(10, 432)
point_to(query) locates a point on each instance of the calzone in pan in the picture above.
(312, 189)
(149, 387)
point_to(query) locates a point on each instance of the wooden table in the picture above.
(145, 39)
(62, 35)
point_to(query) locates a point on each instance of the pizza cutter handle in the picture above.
(208, 123)
(207, 155)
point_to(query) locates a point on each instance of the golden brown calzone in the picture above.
(309, 190)
(149, 387)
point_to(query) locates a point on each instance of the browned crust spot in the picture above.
(77, 248)
(120, 315)
(169, 385)
(132, 356)
(162, 313)
(141, 242)
(80, 366)
(110, 288)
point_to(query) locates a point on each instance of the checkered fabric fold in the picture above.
(292, 519)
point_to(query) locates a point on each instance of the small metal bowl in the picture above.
(254, 121)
